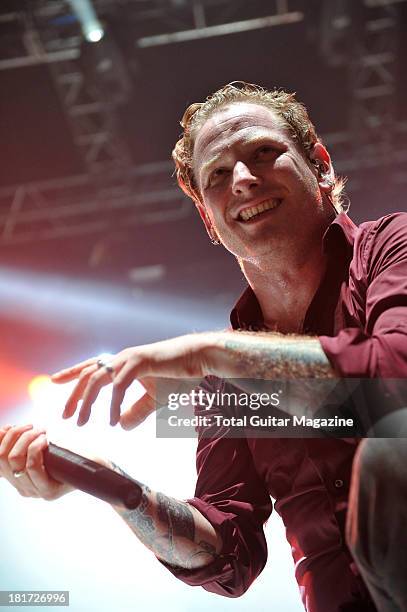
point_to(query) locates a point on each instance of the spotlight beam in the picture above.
(91, 27)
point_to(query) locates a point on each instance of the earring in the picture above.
(214, 237)
(320, 167)
(212, 234)
(323, 172)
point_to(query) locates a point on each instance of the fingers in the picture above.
(7, 440)
(46, 486)
(17, 456)
(156, 396)
(3, 431)
(120, 384)
(13, 458)
(72, 402)
(92, 378)
(67, 374)
(22, 462)
(121, 371)
(117, 398)
(121, 381)
(94, 384)
(148, 403)
(138, 412)
(83, 371)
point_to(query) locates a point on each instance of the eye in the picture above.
(265, 153)
(217, 175)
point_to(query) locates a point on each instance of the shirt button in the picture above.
(338, 483)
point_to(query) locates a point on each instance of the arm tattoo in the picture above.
(140, 521)
(267, 356)
(167, 527)
(279, 356)
(205, 549)
(177, 516)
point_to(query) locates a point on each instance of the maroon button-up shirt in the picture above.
(359, 314)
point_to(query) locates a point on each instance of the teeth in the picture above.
(249, 213)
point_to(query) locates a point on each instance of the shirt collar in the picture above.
(337, 243)
(342, 230)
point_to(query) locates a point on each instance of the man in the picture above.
(325, 299)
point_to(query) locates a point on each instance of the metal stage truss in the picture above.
(112, 189)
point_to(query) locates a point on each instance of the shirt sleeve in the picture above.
(232, 497)
(379, 348)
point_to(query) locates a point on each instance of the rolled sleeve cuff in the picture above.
(217, 576)
(350, 353)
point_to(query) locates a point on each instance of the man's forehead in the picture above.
(239, 114)
(241, 121)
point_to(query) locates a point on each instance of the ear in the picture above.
(207, 222)
(326, 176)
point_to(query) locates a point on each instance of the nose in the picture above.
(243, 180)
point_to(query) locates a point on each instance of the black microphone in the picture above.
(91, 477)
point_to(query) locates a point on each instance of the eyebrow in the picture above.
(210, 163)
(249, 140)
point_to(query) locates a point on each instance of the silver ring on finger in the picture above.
(107, 366)
(18, 473)
(109, 369)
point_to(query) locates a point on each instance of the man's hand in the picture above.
(223, 354)
(178, 358)
(22, 463)
(173, 530)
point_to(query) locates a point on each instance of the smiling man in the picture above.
(261, 198)
(325, 299)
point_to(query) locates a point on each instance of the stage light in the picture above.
(94, 34)
(66, 303)
(47, 399)
(39, 387)
(91, 27)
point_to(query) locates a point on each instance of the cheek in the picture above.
(289, 164)
(296, 171)
(285, 168)
(214, 207)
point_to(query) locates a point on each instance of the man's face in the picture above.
(258, 190)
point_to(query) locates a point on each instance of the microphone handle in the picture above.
(91, 477)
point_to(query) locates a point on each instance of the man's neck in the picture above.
(285, 289)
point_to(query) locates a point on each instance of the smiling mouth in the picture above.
(253, 212)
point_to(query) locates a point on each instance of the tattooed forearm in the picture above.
(205, 550)
(261, 358)
(175, 531)
(272, 355)
(140, 521)
(177, 516)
